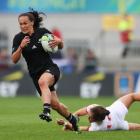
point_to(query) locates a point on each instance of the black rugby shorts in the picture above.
(54, 70)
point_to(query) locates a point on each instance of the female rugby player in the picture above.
(42, 70)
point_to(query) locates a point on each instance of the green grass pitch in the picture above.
(19, 120)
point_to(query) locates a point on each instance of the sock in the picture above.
(47, 108)
(71, 118)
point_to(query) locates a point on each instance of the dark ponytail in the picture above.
(99, 113)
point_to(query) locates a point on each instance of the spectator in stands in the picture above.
(4, 56)
(71, 55)
(125, 28)
(57, 32)
(58, 54)
(91, 62)
(4, 59)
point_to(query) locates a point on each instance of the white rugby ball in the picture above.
(45, 43)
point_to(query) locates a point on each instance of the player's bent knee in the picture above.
(42, 83)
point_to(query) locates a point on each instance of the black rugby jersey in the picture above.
(37, 59)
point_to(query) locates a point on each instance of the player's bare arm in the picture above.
(17, 54)
(83, 111)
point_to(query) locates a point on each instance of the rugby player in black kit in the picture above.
(42, 70)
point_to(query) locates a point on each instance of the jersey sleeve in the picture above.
(16, 44)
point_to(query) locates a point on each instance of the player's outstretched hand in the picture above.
(60, 122)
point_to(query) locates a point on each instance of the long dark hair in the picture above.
(99, 113)
(34, 16)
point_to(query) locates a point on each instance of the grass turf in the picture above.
(19, 120)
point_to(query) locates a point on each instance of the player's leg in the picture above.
(63, 110)
(128, 99)
(58, 106)
(44, 82)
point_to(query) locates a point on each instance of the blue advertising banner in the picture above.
(59, 6)
(71, 6)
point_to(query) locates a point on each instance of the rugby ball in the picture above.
(45, 39)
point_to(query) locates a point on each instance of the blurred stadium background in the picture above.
(91, 61)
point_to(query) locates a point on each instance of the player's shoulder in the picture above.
(18, 36)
